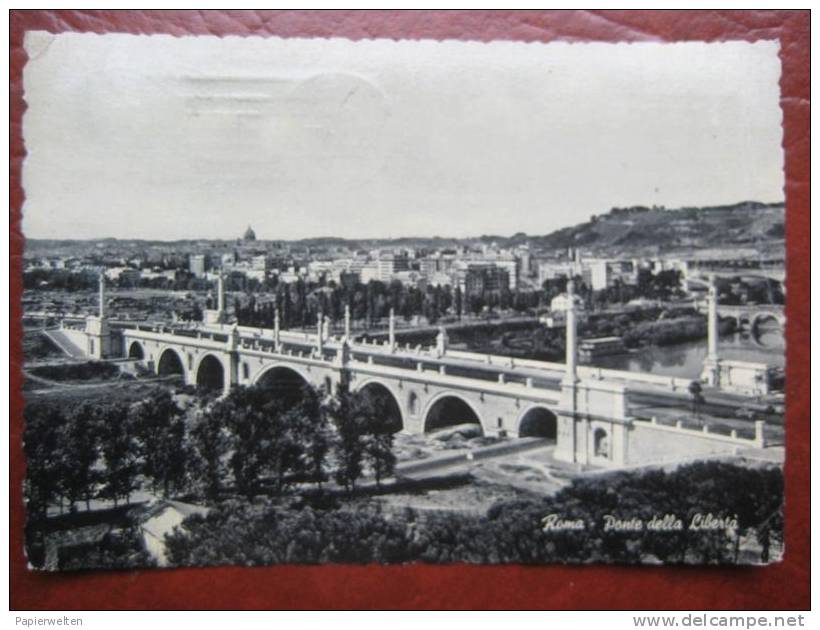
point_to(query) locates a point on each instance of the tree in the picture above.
(511, 531)
(80, 453)
(211, 444)
(281, 448)
(314, 434)
(265, 436)
(378, 438)
(160, 428)
(243, 413)
(120, 452)
(43, 464)
(349, 419)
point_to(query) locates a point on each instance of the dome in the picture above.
(250, 235)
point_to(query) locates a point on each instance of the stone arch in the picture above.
(538, 421)
(284, 381)
(210, 373)
(267, 371)
(136, 351)
(170, 362)
(763, 316)
(386, 402)
(449, 409)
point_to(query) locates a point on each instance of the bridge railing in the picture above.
(743, 437)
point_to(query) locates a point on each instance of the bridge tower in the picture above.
(593, 423)
(97, 330)
(567, 429)
(347, 322)
(326, 328)
(711, 365)
(571, 335)
(320, 334)
(441, 342)
(391, 334)
(217, 316)
(276, 343)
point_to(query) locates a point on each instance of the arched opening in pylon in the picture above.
(135, 351)
(539, 422)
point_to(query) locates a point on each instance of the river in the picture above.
(685, 360)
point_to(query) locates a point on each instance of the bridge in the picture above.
(778, 274)
(584, 410)
(749, 316)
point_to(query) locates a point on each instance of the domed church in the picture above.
(249, 235)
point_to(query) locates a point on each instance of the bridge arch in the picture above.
(284, 381)
(538, 421)
(762, 316)
(386, 401)
(170, 362)
(210, 372)
(449, 409)
(136, 350)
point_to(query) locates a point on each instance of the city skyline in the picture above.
(377, 140)
(326, 237)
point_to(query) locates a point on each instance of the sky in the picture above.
(168, 138)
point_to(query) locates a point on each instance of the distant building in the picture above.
(411, 279)
(604, 273)
(125, 276)
(554, 269)
(391, 264)
(249, 234)
(437, 264)
(259, 263)
(557, 317)
(511, 265)
(197, 265)
(228, 261)
(482, 278)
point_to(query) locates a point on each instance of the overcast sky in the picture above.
(165, 138)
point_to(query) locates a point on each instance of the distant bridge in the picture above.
(776, 274)
(750, 316)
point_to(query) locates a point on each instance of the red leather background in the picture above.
(783, 586)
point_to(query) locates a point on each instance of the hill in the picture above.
(641, 229)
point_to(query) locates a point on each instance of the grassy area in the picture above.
(37, 346)
(119, 391)
(88, 371)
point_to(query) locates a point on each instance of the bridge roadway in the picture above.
(500, 391)
(459, 363)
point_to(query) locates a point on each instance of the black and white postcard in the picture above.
(315, 301)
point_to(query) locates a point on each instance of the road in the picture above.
(461, 461)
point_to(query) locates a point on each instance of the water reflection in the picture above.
(686, 359)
